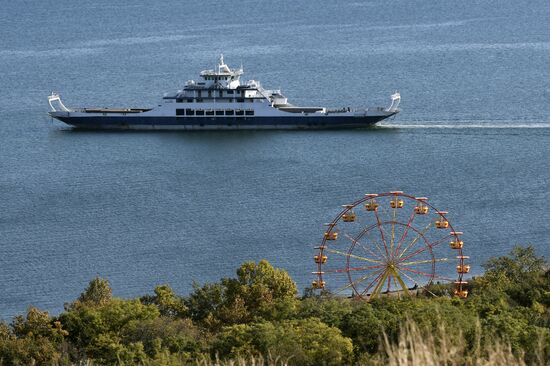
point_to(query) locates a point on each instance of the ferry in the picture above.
(221, 101)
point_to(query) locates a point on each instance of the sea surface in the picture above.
(150, 208)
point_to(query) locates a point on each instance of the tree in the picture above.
(38, 323)
(296, 342)
(522, 276)
(166, 300)
(331, 310)
(520, 262)
(268, 292)
(98, 292)
(177, 336)
(32, 339)
(259, 292)
(97, 330)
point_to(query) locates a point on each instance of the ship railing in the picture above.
(55, 99)
(338, 110)
(395, 100)
(264, 93)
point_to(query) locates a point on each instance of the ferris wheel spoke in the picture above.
(355, 241)
(418, 236)
(428, 246)
(415, 281)
(405, 232)
(426, 274)
(424, 261)
(372, 283)
(381, 232)
(375, 242)
(357, 281)
(352, 256)
(365, 232)
(346, 270)
(392, 242)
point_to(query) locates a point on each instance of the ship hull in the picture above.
(221, 123)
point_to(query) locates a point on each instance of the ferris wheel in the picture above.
(390, 244)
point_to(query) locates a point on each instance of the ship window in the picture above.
(220, 94)
(200, 92)
(190, 100)
(199, 100)
(180, 112)
(178, 100)
(200, 112)
(219, 113)
(240, 100)
(189, 112)
(251, 100)
(229, 112)
(230, 91)
(210, 113)
(239, 112)
(209, 94)
(249, 113)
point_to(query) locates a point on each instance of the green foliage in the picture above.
(331, 310)
(177, 336)
(521, 261)
(259, 292)
(33, 339)
(96, 331)
(522, 276)
(299, 342)
(257, 316)
(38, 324)
(166, 300)
(98, 292)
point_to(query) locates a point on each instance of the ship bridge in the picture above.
(223, 84)
(221, 77)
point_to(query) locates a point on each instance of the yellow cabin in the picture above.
(318, 284)
(442, 224)
(465, 268)
(371, 206)
(457, 244)
(421, 210)
(461, 293)
(348, 217)
(331, 236)
(322, 259)
(397, 203)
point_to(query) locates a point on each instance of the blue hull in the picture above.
(210, 123)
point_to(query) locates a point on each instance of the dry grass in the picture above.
(245, 361)
(417, 347)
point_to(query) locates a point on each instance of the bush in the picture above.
(259, 292)
(298, 342)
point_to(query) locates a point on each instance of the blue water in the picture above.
(149, 208)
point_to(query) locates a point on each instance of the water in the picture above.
(149, 208)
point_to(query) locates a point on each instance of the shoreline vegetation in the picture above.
(257, 318)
